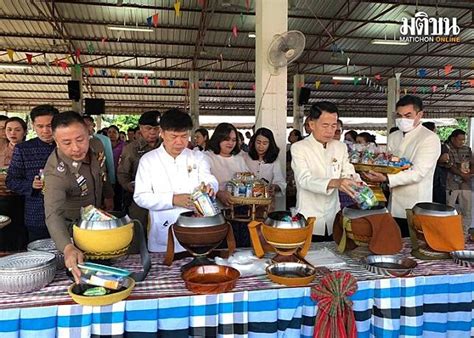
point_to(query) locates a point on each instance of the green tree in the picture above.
(444, 132)
(123, 122)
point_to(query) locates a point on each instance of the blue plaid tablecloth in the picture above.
(438, 305)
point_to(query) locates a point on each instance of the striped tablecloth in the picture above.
(435, 301)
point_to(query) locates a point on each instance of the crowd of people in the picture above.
(151, 171)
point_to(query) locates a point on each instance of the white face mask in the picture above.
(405, 125)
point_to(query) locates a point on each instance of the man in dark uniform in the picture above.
(75, 176)
(149, 124)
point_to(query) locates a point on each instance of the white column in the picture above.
(271, 86)
(298, 111)
(470, 130)
(194, 98)
(77, 105)
(393, 92)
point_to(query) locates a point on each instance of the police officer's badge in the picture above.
(60, 167)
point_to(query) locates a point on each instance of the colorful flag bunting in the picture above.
(148, 21)
(446, 87)
(155, 20)
(254, 87)
(447, 69)
(234, 31)
(434, 88)
(77, 69)
(317, 84)
(422, 72)
(378, 77)
(177, 7)
(126, 77)
(104, 72)
(90, 48)
(29, 57)
(78, 52)
(63, 65)
(458, 84)
(10, 53)
(91, 71)
(405, 91)
(171, 83)
(471, 82)
(145, 80)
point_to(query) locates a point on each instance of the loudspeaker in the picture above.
(94, 106)
(304, 96)
(74, 90)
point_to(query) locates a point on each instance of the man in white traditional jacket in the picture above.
(167, 176)
(321, 166)
(422, 148)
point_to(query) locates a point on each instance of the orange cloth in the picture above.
(384, 233)
(444, 234)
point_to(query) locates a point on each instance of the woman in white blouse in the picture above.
(225, 158)
(262, 159)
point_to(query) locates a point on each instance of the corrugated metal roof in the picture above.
(226, 63)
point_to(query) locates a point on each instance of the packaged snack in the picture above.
(203, 203)
(365, 197)
(98, 291)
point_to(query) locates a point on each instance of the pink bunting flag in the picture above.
(103, 40)
(378, 77)
(155, 20)
(415, 89)
(145, 80)
(126, 77)
(78, 52)
(91, 71)
(447, 69)
(29, 57)
(254, 87)
(234, 31)
(247, 5)
(434, 88)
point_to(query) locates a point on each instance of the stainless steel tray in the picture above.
(389, 265)
(463, 257)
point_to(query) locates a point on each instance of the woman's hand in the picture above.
(224, 197)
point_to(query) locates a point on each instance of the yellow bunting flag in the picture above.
(10, 53)
(177, 7)
(317, 84)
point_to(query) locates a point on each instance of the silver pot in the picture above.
(105, 225)
(354, 213)
(279, 219)
(186, 219)
(434, 209)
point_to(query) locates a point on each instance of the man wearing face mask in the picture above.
(422, 148)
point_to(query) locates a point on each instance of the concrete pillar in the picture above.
(194, 98)
(470, 130)
(298, 111)
(77, 105)
(393, 93)
(271, 85)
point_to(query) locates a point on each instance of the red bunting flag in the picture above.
(78, 52)
(63, 65)
(126, 77)
(103, 40)
(29, 57)
(155, 20)
(378, 77)
(335, 82)
(145, 80)
(471, 82)
(234, 31)
(448, 69)
(91, 71)
(415, 89)
(247, 5)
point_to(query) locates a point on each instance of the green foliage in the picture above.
(124, 122)
(444, 132)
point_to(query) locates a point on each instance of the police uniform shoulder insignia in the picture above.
(60, 167)
(101, 158)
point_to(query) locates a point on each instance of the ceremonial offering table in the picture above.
(434, 301)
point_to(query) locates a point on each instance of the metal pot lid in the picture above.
(434, 209)
(187, 219)
(353, 213)
(283, 219)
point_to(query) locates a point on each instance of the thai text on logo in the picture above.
(422, 28)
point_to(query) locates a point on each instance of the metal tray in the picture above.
(389, 265)
(290, 273)
(25, 261)
(463, 258)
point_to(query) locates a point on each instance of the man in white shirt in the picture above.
(321, 166)
(167, 176)
(422, 148)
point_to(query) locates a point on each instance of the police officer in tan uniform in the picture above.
(75, 176)
(149, 124)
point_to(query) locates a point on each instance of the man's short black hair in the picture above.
(429, 125)
(410, 99)
(65, 119)
(3, 117)
(43, 110)
(176, 120)
(456, 133)
(318, 108)
(88, 118)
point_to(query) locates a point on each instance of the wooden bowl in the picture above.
(208, 279)
(199, 240)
